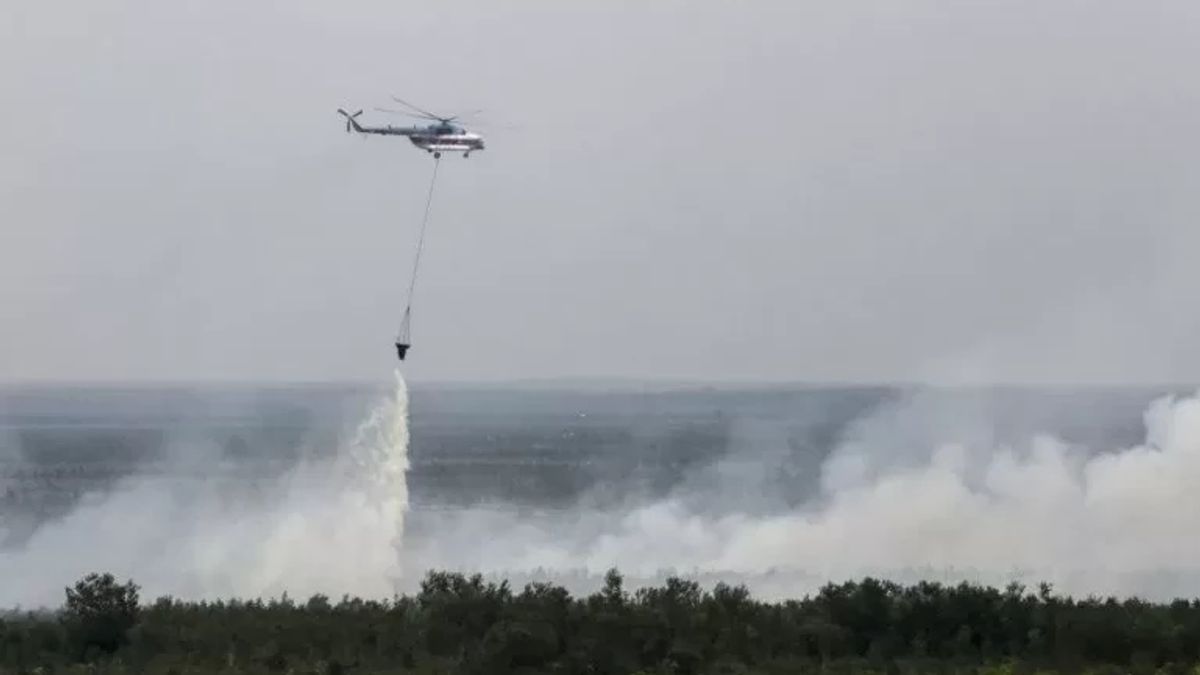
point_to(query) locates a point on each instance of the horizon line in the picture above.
(623, 382)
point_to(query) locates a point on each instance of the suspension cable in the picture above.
(420, 243)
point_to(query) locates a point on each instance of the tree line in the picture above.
(464, 624)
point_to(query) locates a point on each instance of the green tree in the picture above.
(100, 613)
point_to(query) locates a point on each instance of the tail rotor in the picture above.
(350, 123)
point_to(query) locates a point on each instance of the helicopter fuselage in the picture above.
(434, 139)
(453, 142)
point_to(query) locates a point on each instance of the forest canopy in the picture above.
(464, 624)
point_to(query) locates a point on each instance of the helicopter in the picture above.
(440, 136)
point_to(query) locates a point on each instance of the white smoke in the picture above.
(329, 526)
(898, 502)
(911, 492)
(9, 454)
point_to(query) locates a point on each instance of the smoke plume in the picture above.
(330, 526)
(900, 501)
(909, 492)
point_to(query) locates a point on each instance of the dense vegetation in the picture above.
(458, 624)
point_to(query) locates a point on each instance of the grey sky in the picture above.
(785, 191)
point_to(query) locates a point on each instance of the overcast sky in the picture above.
(1002, 191)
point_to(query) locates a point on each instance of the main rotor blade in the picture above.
(407, 114)
(461, 117)
(406, 104)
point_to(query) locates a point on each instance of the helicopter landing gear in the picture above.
(466, 155)
(437, 155)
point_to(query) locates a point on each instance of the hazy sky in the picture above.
(751, 190)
